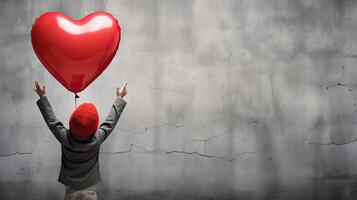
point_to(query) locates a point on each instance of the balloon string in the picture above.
(75, 99)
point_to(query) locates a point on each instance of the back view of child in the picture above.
(81, 142)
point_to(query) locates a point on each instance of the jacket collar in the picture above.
(79, 139)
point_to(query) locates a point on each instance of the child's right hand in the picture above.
(122, 91)
(39, 90)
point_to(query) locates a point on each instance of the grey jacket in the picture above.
(80, 166)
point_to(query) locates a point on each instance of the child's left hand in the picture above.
(39, 90)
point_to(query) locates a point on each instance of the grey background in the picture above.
(227, 100)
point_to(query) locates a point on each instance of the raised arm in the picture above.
(111, 120)
(56, 127)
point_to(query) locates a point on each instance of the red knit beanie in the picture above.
(84, 121)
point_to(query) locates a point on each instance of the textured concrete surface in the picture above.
(246, 99)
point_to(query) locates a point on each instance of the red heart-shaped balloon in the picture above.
(75, 52)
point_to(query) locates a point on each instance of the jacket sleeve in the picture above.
(110, 122)
(56, 127)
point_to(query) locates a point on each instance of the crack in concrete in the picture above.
(321, 122)
(343, 83)
(273, 95)
(145, 130)
(209, 138)
(257, 121)
(164, 124)
(249, 152)
(247, 135)
(285, 16)
(14, 154)
(168, 152)
(118, 152)
(339, 84)
(334, 143)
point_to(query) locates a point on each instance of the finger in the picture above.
(38, 85)
(126, 85)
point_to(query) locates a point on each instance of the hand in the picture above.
(39, 90)
(122, 91)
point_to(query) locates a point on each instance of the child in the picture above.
(81, 142)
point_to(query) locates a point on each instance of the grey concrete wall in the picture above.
(246, 99)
